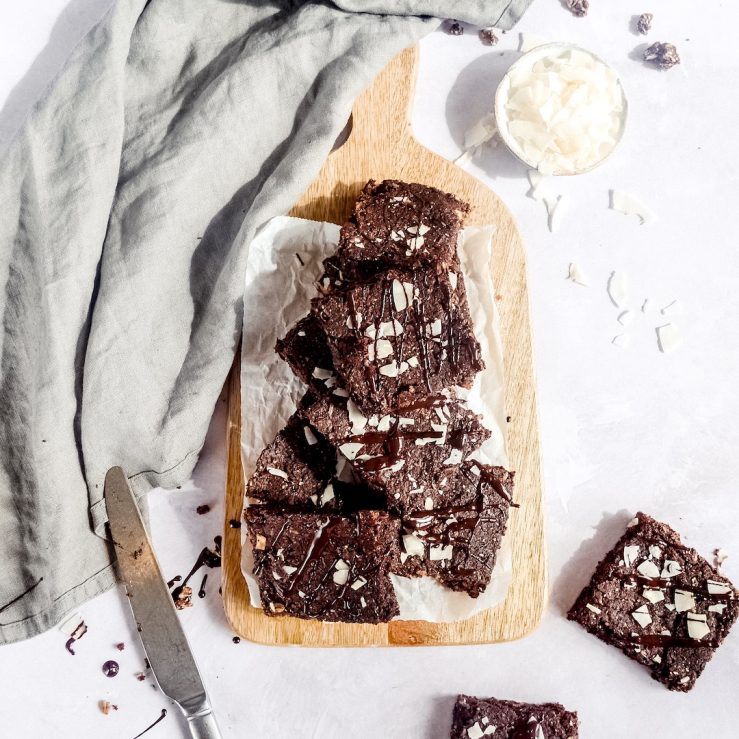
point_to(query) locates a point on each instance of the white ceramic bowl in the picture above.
(527, 61)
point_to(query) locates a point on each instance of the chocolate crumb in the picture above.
(140, 676)
(455, 28)
(76, 635)
(236, 640)
(644, 23)
(234, 523)
(106, 706)
(184, 599)
(578, 8)
(663, 55)
(110, 668)
(203, 509)
(120, 646)
(487, 36)
(507, 419)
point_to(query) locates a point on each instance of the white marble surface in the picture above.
(622, 429)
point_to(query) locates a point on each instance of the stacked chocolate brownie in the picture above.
(372, 474)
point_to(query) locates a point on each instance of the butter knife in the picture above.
(153, 609)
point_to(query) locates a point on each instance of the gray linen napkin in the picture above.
(127, 203)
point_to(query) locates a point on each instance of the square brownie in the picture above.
(457, 541)
(476, 718)
(325, 567)
(406, 452)
(396, 224)
(305, 349)
(407, 331)
(660, 602)
(295, 469)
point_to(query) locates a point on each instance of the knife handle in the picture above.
(204, 726)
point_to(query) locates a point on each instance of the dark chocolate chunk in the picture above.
(660, 602)
(578, 8)
(405, 452)
(663, 55)
(644, 23)
(457, 541)
(488, 36)
(396, 225)
(294, 469)
(326, 567)
(477, 718)
(455, 28)
(405, 332)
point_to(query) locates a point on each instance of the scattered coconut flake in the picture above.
(630, 554)
(437, 554)
(653, 595)
(717, 607)
(618, 288)
(277, 473)
(670, 569)
(719, 557)
(629, 205)
(626, 317)
(310, 437)
(400, 298)
(717, 588)
(592, 608)
(413, 545)
(646, 306)
(541, 186)
(350, 449)
(556, 210)
(648, 569)
(480, 133)
(668, 337)
(577, 275)
(530, 41)
(641, 616)
(322, 374)
(684, 601)
(697, 626)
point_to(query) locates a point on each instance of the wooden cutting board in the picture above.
(381, 146)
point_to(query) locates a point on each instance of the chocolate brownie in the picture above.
(475, 718)
(405, 452)
(457, 541)
(305, 349)
(396, 224)
(408, 331)
(326, 567)
(659, 602)
(295, 469)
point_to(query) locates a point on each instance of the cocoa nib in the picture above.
(455, 28)
(487, 36)
(664, 55)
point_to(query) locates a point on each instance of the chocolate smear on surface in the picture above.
(148, 728)
(76, 635)
(182, 594)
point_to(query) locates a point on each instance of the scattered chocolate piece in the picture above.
(578, 8)
(659, 602)
(203, 509)
(161, 716)
(140, 676)
(234, 524)
(236, 640)
(663, 55)
(110, 668)
(120, 646)
(184, 598)
(326, 567)
(455, 28)
(106, 706)
(478, 718)
(644, 23)
(76, 635)
(487, 36)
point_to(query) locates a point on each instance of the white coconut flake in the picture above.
(350, 449)
(480, 133)
(541, 186)
(437, 554)
(653, 595)
(310, 437)
(630, 554)
(455, 457)
(413, 545)
(357, 419)
(327, 494)
(629, 205)
(557, 211)
(717, 607)
(669, 337)
(641, 616)
(277, 473)
(577, 275)
(400, 299)
(358, 584)
(717, 588)
(673, 308)
(697, 626)
(618, 288)
(684, 601)
(670, 569)
(319, 373)
(475, 731)
(453, 280)
(648, 569)
(592, 608)
(621, 340)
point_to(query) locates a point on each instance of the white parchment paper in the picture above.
(285, 259)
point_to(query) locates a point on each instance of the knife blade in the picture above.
(156, 618)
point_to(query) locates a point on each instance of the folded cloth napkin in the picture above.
(127, 203)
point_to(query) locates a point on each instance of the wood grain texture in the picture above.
(381, 146)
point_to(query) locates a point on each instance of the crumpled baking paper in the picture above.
(284, 262)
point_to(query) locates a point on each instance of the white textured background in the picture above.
(622, 429)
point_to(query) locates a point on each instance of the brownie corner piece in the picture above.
(323, 566)
(305, 350)
(660, 602)
(478, 718)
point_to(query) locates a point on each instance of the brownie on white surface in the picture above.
(408, 452)
(305, 349)
(457, 537)
(660, 602)
(395, 224)
(478, 718)
(295, 469)
(406, 331)
(322, 566)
